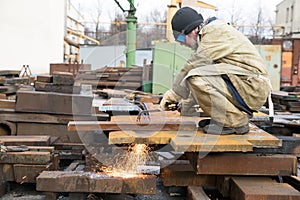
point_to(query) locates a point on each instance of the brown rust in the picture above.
(252, 188)
(71, 181)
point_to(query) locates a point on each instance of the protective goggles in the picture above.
(181, 38)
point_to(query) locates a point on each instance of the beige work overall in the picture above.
(224, 50)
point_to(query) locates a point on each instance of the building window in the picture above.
(292, 13)
(287, 15)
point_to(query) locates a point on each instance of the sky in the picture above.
(245, 8)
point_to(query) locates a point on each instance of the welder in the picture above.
(225, 75)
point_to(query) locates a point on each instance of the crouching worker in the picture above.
(225, 75)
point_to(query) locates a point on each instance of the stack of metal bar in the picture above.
(238, 166)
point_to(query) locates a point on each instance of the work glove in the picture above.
(169, 97)
(189, 107)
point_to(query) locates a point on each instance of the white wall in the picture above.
(31, 33)
(111, 56)
(102, 56)
(289, 20)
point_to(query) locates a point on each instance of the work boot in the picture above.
(217, 129)
(204, 122)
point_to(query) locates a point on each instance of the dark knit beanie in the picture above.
(185, 20)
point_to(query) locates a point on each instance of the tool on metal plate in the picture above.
(173, 105)
(146, 112)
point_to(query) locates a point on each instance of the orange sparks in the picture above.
(126, 165)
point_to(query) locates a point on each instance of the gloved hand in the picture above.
(169, 97)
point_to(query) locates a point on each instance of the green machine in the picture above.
(168, 59)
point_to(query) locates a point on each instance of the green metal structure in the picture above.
(168, 59)
(131, 33)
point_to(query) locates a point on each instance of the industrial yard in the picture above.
(90, 117)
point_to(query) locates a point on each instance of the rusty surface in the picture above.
(209, 143)
(223, 185)
(296, 62)
(253, 188)
(27, 157)
(145, 184)
(59, 181)
(44, 78)
(7, 172)
(197, 141)
(3, 186)
(54, 103)
(157, 116)
(286, 71)
(201, 142)
(142, 126)
(28, 173)
(260, 138)
(63, 78)
(25, 140)
(71, 181)
(185, 178)
(51, 87)
(197, 193)
(247, 164)
(7, 104)
(290, 75)
(73, 68)
(54, 130)
(144, 137)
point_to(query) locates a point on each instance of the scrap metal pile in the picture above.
(99, 141)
